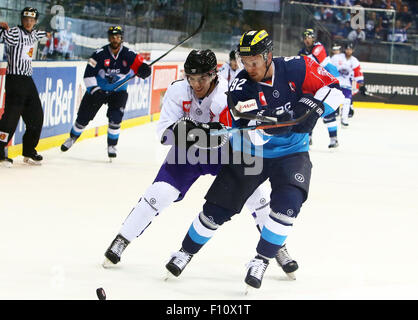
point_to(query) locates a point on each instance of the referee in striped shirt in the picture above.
(22, 98)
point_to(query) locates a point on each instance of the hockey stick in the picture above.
(264, 126)
(381, 98)
(202, 21)
(275, 124)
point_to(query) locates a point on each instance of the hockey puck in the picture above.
(101, 294)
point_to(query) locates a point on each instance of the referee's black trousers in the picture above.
(22, 99)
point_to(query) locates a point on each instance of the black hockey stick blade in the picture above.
(199, 28)
(381, 98)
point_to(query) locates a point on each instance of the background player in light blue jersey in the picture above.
(283, 88)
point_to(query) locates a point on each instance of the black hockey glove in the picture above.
(98, 95)
(205, 141)
(281, 116)
(187, 132)
(144, 71)
(362, 90)
(305, 104)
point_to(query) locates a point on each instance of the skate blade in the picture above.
(168, 276)
(107, 264)
(249, 290)
(6, 164)
(31, 162)
(291, 275)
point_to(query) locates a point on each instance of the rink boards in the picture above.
(61, 88)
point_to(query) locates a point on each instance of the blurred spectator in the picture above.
(399, 34)
(356, 35)
(385, 22)
(405, 17)
(65, 45)
(342, 31)
(49, 52)
(371, 23)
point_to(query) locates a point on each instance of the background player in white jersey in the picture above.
(349, 69)
(199, 101)
(230, 69)
(316, 51)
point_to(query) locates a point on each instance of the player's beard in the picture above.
(115, 46)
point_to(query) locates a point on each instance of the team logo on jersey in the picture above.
(317, 51)
(199, 111)
(299, 177)
(124, 63)
(276, 94)
(262, 98)
(292, 86)
(4, 136)
(186, 106)
(107, 62)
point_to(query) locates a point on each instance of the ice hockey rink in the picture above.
(355, 238)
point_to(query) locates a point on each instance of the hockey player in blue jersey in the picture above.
(284, 88)
(315, 50)
(107, 68)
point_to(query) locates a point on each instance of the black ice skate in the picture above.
(288, 265)
(5, 161)
(333, 143)
(178, 262)
(351, 113)
(114, 252)
(344, 123)
(32, 158)
(256, 268)
(68, 144)
(111, 152)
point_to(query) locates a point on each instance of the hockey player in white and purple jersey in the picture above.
(349, 69)
(283, 88)
(197, 102)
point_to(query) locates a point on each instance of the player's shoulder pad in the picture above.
(293, 65)
(178, 89)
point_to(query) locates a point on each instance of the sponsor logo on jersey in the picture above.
(246, 106)
(30, 53)
(107, 62)
(262, 98)
(276, 94)
(186, 106)
(321, 70)
(4, 136)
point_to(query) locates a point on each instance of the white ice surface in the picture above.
(355, 238)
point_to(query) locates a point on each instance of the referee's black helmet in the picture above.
(29, 12)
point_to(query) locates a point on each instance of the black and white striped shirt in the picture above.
(20, 49)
